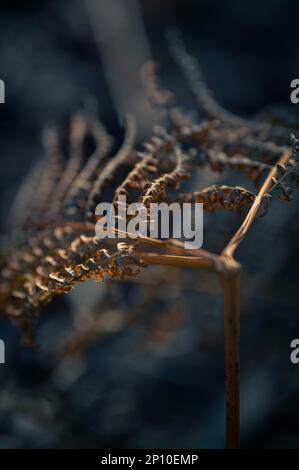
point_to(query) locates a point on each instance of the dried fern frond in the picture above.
(155, 191)
(108, 172)
(31, 201)
(208, 106)
(76, 198)
(158, 96)
(284, 116)
(158, 152)
(288, 173)
(237, 141)
(53, 249)
(53, 170)
(56, 262)
(222, 197)
(220, 161)
(53, 246)
(73, 165)
(21, 210)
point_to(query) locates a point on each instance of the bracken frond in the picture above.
(222, 197)
(107, 173)
(49, 248)
(208, 106)
(73, 166)
(155, 191)
(220, 161)
(76, 198)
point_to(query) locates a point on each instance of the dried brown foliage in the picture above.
(51, 244)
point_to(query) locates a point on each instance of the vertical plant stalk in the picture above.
(230, 277)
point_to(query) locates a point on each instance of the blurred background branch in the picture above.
(121, 38)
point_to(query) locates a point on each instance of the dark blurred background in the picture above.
(153, 376)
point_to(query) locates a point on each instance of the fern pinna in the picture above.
(51, 244)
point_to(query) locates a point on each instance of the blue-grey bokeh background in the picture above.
(157, 381)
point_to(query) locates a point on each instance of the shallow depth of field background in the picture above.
(154, 374)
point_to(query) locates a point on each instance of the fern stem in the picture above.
(243, 230)
(230, 276)
(179, 261)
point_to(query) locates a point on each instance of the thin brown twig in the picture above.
(181, 261)
(243, 230)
